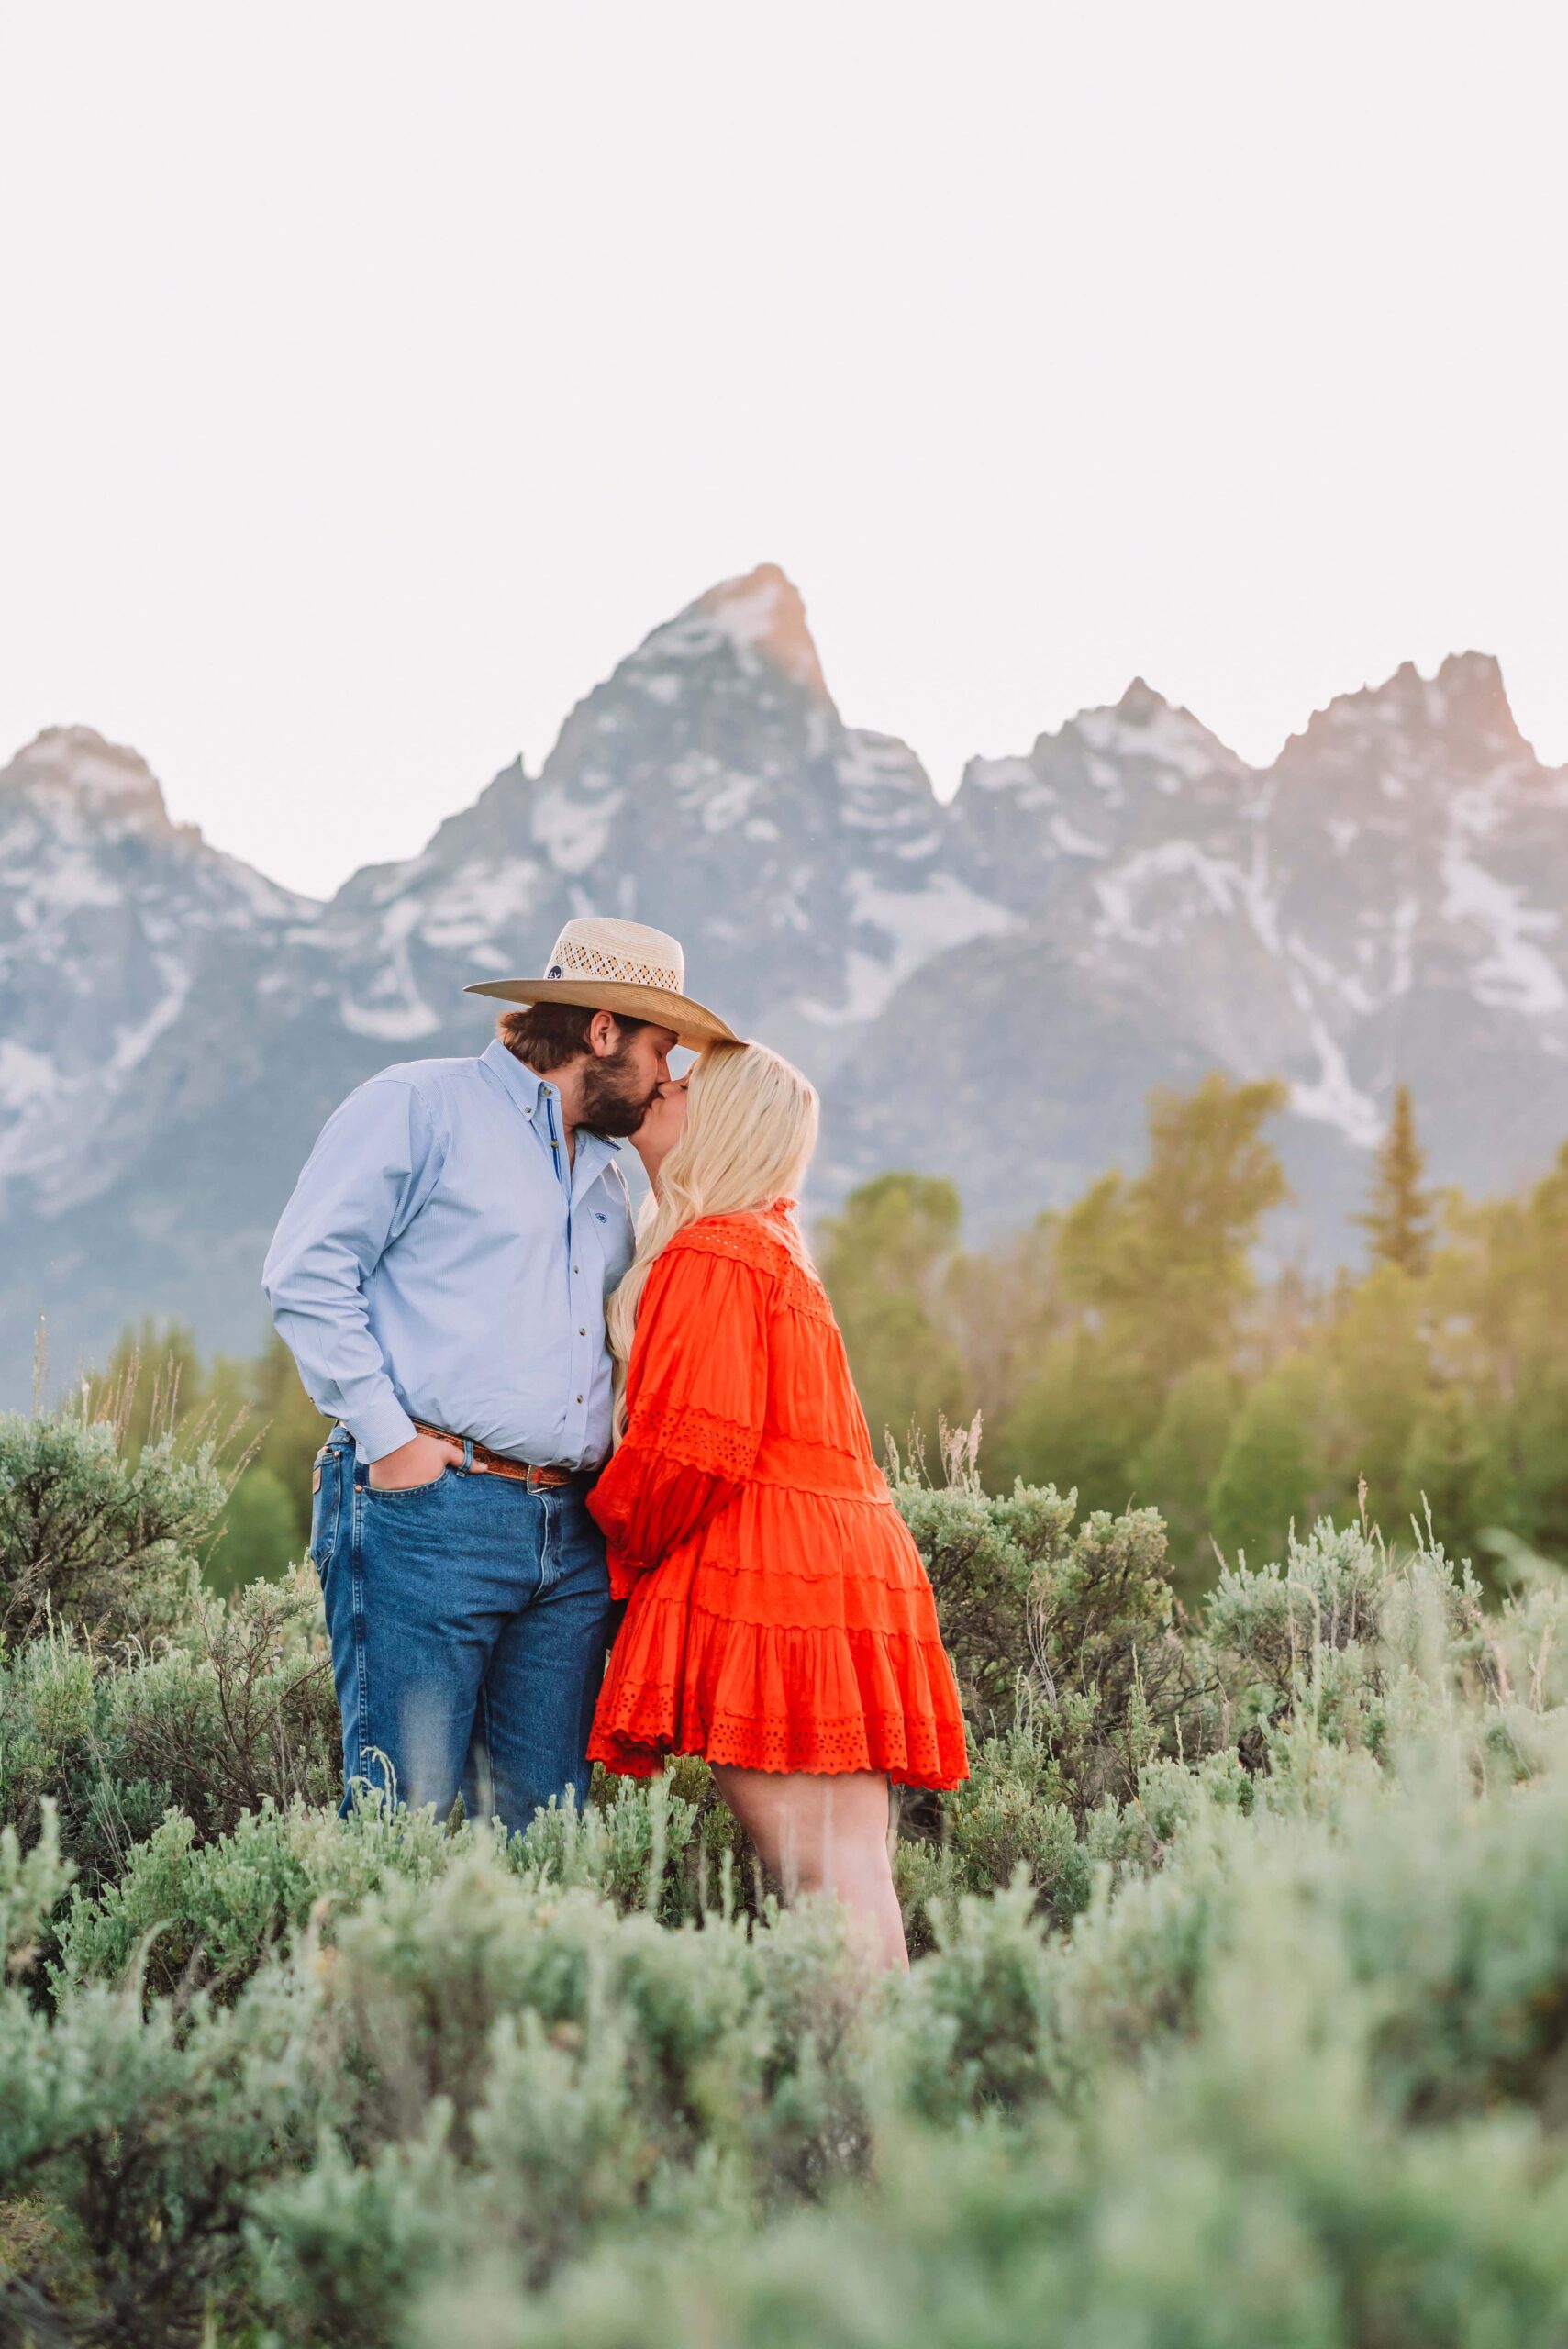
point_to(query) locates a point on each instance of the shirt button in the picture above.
(582, 1333)
(579, 1398)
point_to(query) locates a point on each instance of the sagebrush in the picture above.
(1241, 2011)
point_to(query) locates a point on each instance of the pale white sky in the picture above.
(374, 376)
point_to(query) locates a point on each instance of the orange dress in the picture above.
(779, 1617)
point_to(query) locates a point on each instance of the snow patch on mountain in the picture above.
(27, 1077)
(1180, 908)
(1073, 842)
(911, 929)
(134, 1041)
(1515, 972)
(1216, 885)
(1333, 1099)
(1018, 777)
(399, 1023)
(479, 899)
(571, 828)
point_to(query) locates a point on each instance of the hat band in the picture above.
(571, 960)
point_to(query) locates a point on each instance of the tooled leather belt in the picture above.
(548, 1480)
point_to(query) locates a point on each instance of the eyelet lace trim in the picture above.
(748, 1240)
(698, 1439)
(643, 1731)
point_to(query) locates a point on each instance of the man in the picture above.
(439, 1275)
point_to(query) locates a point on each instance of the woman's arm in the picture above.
(696, 1396)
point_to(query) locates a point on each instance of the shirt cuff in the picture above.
(382, 1427)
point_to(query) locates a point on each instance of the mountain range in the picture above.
(984, 988)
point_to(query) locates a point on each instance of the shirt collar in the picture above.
(525, 1085)
(522, 1084)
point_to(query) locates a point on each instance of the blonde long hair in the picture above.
(750, 1132)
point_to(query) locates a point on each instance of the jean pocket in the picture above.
(407, 1492)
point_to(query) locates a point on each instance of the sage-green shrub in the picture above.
(1240, 2012)
(92, 1539)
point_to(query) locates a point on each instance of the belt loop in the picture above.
(468, 1455)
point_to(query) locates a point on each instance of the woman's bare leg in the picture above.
(820, 1834)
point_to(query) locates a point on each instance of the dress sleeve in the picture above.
(697, 1392)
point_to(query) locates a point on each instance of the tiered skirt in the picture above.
(797, 1633)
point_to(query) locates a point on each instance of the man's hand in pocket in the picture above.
(423, 1460)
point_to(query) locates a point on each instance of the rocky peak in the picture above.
(764, 612)
(107, 781)
(1142, 726)
(1456, 720)
(1140, 705)
(759, 619)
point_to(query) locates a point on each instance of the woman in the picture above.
(778, 1618)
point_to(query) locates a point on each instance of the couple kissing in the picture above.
(547, 1415)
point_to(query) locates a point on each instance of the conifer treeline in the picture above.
(1126, 1347)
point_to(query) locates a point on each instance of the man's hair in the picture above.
(547, 1035)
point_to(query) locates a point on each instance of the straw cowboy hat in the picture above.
(618, 966)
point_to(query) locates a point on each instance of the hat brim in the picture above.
(693, 1023)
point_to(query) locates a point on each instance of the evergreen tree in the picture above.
(1399, 1221)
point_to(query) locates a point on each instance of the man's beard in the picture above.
(611, 1102)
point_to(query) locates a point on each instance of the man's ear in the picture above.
(604, 1034)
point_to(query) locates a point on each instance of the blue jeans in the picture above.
(469, 1621)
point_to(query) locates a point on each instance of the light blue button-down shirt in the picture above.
(442, 1259)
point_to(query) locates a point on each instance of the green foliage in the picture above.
(982, 1554)
(91, 1539)
(1399, 1218)
(882, 1259)
(235, 1711)
(1101, 1342)
(1124, 1348)
(1271, 1470)
(253, 1414)
(1382, 1364)
(1113, 1350)
(1238, 2010)
(260, 1530)
(1165, 1259)
(1177, 1468)
(186, 1910)
(1086, 1406)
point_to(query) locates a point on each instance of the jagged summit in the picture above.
(759, 618)
(764, 612)
(109, 779)
(1128, 904)
(1141, 703)
(1142, 725)
(1463, 704)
